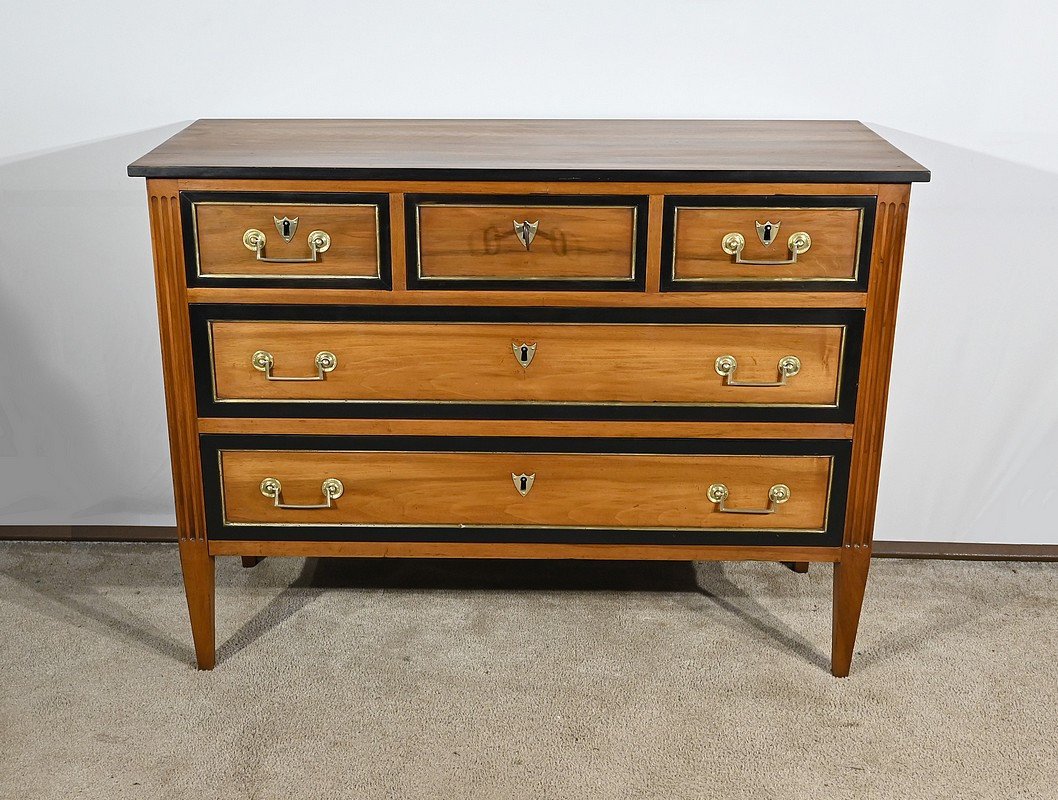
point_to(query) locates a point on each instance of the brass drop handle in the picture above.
(777, 495)
(319, 242)
(788, 366)
(332, 489)
(526, 231)
(733, 244)
(263, 361)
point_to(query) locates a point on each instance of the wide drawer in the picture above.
(768, 243)
(526, 242)
(547, 361)
(255, 239)
(522, 488)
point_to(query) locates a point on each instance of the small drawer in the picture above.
(287, 240)
(533, 242)
(798, 366)
(524, 489)
(767, 243)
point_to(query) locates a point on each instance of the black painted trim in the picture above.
(508, 174)
(383, 282)
(840, 450)
(869, 204)
(201, 314)
(636, 284)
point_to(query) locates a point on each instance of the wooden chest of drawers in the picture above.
(637, 340)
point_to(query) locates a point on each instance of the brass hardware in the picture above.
(516, 524)
(788, 366)
(263, 361)
(526, 231)
(733, 244)
(777, 495)
(287, 227)
(196, 207)
(767, 231)
(524, 353)
(332, 489)
(319, 242)
(523, 483)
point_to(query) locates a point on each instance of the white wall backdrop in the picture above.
(966, 88)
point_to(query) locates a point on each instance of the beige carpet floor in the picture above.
(465, 680)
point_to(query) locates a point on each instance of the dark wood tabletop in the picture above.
(807, 151)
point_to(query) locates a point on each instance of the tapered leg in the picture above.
(850, 581)
(800, 567)
(251, 561)
(199, 586)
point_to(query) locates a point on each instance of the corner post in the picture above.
(850, 572)
(174, 326)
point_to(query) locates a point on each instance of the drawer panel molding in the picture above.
(526, 242)
(767, 243)
(286, 240)
(526, 489)
(531, 364)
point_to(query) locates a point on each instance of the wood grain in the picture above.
(698, 254)
(175, 332)
(730, 150)
(703, 299)
(353, 229)
(426, 427)
(397, 246)
(605, 363)
(876, 360)
(850, 573)
(467, 241)
(197, 566)
(577, 363)
(195, 559)
(656, 211)
(569, 490)
(608, 552)
(512, 186)
(850, 581)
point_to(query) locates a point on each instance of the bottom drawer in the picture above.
(680, 491)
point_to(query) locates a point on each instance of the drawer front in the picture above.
(767, 243)
(526, 242)
(525, 367)
(523, 489)
(287, 240)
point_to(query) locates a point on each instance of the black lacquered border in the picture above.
(636, 283)
(385, 271)
(844, 411)
(840, 450)
(507, 174)
(869, 204)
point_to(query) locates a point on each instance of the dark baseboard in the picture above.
(88, 533)
(958, 551)
(966, 551)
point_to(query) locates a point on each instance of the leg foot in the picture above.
(850, 581)
(199, 586)
(800, 567)
(251, 561)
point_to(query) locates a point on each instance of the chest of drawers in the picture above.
(534, 339)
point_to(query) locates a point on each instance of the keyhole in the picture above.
(767, 233)
(523, 482)
(524, 357)
(286, 228)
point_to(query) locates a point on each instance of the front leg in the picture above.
(200, 587)
(850, 582)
